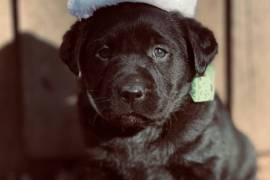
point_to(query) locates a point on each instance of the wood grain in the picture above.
(263, 168)
(211, 14)
(5, 22)
(251, 67)
(51, 127)
(10, 144)
(46, 19)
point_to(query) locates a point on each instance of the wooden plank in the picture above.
(5, 22)
(251, 68)
(46, 19)
(215, 22)
(10, 145)
(51, 126)
(263, 168)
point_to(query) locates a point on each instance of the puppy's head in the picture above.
(137, 61)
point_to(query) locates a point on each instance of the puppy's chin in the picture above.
(128, 124)
(132, 120)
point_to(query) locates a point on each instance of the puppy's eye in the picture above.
(104, 53)
(160, 53)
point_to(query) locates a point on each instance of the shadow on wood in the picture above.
(50, 129)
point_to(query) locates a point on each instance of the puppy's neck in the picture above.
(189, 122)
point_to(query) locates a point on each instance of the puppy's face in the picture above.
(137, 61)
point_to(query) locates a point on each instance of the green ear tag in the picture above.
(203, 88)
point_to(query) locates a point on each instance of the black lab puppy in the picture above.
(136, 64)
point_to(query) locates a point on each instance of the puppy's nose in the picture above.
(133, 92)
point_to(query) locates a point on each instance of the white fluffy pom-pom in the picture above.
(86, 8)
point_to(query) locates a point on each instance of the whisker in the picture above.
(100, 98)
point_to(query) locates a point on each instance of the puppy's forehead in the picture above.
(131, 15)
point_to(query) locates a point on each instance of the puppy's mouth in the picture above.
(133, 120)
(133, 117)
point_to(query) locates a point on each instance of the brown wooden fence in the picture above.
(37, 109)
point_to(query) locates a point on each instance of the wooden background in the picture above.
(42, 24)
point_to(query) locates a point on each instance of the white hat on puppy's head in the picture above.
(83, 9)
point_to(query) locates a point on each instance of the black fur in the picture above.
(154, 131)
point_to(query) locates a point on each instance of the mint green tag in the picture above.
(203, 88)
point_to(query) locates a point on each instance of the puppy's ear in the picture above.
(202, 45)
(70, 47)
